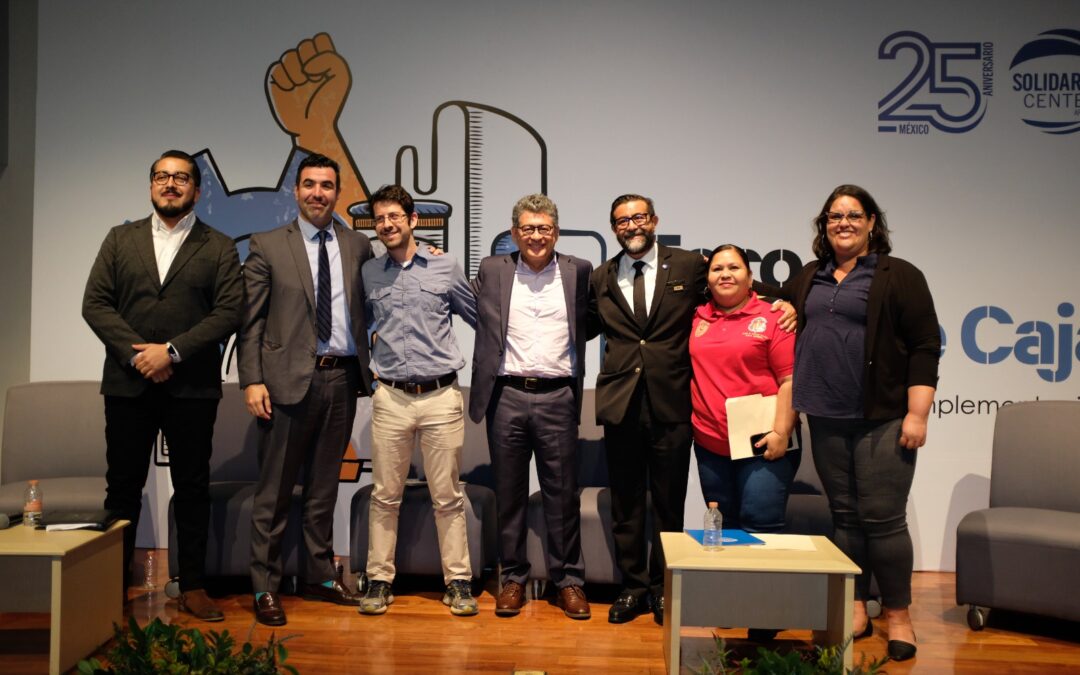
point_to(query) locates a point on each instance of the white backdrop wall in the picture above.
(737, 117)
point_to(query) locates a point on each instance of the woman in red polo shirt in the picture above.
(737, 349)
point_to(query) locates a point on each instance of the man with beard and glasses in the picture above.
(164, 295)
(303, 362)
(643, 301)
(412, 293)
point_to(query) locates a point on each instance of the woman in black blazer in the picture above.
(865, 374)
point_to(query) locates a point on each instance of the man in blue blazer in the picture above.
(528, 367)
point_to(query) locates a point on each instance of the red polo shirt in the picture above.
(735, 354)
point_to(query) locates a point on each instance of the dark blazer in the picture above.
(903, 340)
(196, 308)
(493, 283)
(659, 350)
(278, 335)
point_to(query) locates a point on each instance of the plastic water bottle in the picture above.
(713, 537)
(32, 504)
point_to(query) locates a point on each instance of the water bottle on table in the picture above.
(713, 537)
(32, 504)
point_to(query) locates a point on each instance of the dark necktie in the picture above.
(322, 301)
(640, 313)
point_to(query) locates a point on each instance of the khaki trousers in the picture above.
(398, 420)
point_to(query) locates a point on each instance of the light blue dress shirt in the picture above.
(341, 338)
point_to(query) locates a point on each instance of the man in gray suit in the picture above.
(303, 362)
(164, 295)
(528, 368)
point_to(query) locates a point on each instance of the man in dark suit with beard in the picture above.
(164, 295)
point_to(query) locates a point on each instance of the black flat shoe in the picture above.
(866, 632)
(900, 650)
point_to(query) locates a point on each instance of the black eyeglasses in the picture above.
(530, 230)
(638, 219)
(180, 178)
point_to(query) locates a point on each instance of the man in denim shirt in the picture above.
(415, 357)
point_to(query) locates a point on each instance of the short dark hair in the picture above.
(879, 235)
(731, 247)
(629, 197)
(393, 193)
(196, 174)
(318, 161)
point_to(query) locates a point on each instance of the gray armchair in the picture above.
(418, 542)
(54, 432)
(1023, 552)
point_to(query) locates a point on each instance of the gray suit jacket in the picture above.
(278, 335)
(196, 308)
(493, 283)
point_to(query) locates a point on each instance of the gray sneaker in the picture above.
(377, 599)
(459, 598)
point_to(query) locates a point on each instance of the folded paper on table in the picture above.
(728, 537)
(100, 519)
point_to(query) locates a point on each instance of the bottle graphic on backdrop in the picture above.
(32, 504)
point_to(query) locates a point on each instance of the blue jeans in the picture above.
(752, 493)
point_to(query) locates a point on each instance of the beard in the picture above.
(636, 246)
(166, 210)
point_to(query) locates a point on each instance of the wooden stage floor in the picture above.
(418, 635)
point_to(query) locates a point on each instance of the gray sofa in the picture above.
(1023, 552)
(54, 432)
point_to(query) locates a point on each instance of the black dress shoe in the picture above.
(658, 609)
(335, 593)
(268, 609)
(866, 632)
(900, 650)
(626, 607)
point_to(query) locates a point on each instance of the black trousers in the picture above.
(131, 427)
(642, 453)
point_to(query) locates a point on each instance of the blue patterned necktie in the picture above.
(322, 301)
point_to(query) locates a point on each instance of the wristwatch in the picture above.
(174, 355)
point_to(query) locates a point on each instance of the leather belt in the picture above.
(421, 387)
(535, 383)
(327, 361)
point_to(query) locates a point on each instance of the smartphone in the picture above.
(761, 451)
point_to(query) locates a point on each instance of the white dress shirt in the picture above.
(627, 272)
(537, 330)
(168, 241)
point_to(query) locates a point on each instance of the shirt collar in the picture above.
(523, 267)
(423, 250)
(185, 223)
(626, 265)
(868, 261)
(710, 312)
(310, 231)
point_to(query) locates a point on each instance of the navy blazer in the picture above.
(493, 284)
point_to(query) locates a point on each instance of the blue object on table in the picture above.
(729, 538)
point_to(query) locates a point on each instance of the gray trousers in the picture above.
(867, 476)
(521, 423)
(311, 435)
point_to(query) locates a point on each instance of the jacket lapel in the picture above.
(347, 255)
(295, 239)
(568, 272)
(144, 244)
(878, 287)
(194, 241)
(506, 285)
(616, 292)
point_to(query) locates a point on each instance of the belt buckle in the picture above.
(326, 361)
(532, 383)
(412, 388)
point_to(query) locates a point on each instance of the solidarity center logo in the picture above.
(1046, 74)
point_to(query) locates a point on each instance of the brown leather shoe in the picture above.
(573, 603)
(511, 599)
(199, 604)
(335, 593)
(268, 609)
